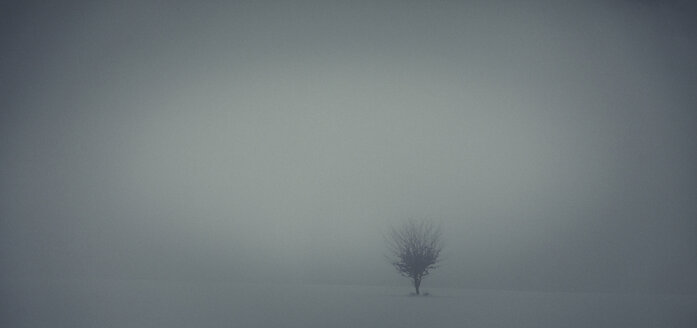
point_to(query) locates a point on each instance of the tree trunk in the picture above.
(417, 283)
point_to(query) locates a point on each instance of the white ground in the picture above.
(114, 303)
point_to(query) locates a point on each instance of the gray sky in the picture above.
(270, 141)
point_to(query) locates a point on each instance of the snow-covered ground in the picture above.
(144, 303)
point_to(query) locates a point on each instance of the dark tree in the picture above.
(415, 247)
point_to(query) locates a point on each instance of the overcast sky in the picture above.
(277, 141)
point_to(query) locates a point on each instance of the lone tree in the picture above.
(415, 247)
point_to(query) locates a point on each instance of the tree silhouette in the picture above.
(415, 247)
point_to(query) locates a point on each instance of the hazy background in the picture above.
(277, 141)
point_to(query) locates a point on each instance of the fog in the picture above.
(276, 142)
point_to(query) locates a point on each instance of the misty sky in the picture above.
(278, 141)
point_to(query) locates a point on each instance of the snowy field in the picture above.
(114, 303)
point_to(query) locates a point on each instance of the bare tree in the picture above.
(415, 247)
